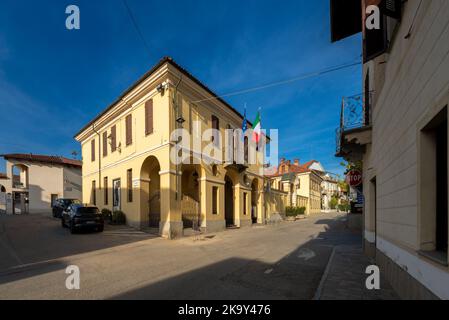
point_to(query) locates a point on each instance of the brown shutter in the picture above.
(105, 144)
(149, 117)
(216, 126)
(113, 138)
(92, 151)
(129, 130)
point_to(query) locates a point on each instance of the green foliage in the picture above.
(295, 211)
(344, 207)
(333, 203)
(106, 213)
(358, 165)
(118, 217)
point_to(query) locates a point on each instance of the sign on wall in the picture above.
(354, 178)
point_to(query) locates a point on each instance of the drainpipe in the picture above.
(99, 156)
(177, 125)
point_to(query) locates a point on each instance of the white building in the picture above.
(33, 182)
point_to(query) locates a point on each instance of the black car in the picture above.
(61, 205)
(79, 216)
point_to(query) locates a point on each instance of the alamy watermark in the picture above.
(373, 280)
(372, 21)
(73, 280)
(73, 21)
(234, 147)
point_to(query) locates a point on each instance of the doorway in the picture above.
(116, 195)
(229, 202)
(254, 200)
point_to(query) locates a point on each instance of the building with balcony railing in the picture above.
(355, 127)
(398, 130)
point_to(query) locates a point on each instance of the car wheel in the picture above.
(72, 228)
(100, 229)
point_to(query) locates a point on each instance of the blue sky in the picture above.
(53, 81)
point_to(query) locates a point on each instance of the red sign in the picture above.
(354, 178)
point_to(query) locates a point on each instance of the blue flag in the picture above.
(245, 123)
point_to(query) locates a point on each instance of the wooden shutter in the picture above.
(392, 8)
(149, 117)
(105, 144)
(216, 126)
(92, 150)
(113, 138)
(129, 130)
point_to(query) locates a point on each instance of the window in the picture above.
(129, 129)
(441, 186)
(149, 117)
(105, 144)
(229, 144)
(214, 200)
(433, 211)
(216, 127)
(245, 203)
(129, 182)
(94, 192)
(105, 186)
(113, 138)
(92, 150)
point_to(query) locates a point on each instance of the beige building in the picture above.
(329, 189)
(398, 128)
(301, 182)
(128, 155)
(32, 182)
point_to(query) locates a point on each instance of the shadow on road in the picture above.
(30, 239)
(296, 276)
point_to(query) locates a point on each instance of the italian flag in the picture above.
(257, 129)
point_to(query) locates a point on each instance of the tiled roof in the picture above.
(3, 176)
(149, 73)
(44, 159)
(293, 169)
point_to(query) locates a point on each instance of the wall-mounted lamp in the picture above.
(180, 120)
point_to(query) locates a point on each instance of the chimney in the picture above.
(296, 162)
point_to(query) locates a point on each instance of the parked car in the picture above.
(61, 205)
(79, 216)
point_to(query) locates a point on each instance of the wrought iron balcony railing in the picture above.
(355, 114)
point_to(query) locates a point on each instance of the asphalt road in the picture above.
(286, 261)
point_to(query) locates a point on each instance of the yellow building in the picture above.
(302, 183)
(127, 151)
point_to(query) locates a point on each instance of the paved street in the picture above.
(286, 261)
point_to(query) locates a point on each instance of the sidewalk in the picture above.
(345, 277)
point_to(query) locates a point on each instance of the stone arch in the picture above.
(150, 193)
(190, 195)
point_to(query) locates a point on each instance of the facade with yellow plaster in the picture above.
(127, 152)
(301, 183)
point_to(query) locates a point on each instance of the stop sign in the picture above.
(354, 178)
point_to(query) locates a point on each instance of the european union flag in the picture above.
(245, 123)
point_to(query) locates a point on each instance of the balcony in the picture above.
(355, 126)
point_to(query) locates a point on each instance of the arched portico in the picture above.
(150, 193)
(190, 196)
